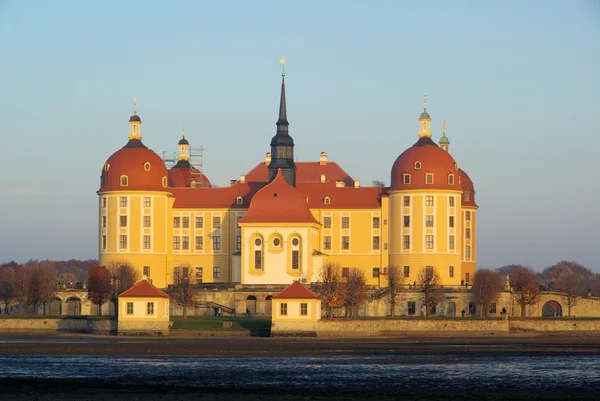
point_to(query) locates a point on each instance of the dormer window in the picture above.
(106, 166)
(451, 179)
(406, 178)
(124, 181)
(239, 200)
(164, 182)
(147, 166)
(428, 178)
(417, 165)
(455, 166)
(327, 200)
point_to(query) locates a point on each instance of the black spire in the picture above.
(282, 145)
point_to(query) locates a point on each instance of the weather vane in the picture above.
(183, 131)
(134, 105)
(425, 102)
(444, 127)
(282, 61)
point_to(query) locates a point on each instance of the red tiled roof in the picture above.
(341, 197)
(278, 202)
(188, 198)
(467, 185)
(143, 289)
(182, 177)
(305, 172)
(296, 290)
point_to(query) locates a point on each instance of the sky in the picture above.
(517, 82)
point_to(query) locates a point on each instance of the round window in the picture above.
(276, 242)
(147, 166)
(417, 165)
(295, 242)
(257, 242)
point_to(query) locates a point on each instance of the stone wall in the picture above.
(555, 325)
(80, 325)
(128, 328)
(294, 328)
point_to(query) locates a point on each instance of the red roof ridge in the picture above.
(144, 289)
(296, 290)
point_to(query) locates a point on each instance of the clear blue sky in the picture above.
(518, 83)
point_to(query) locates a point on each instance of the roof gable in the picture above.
(143, 289)
(296, 290)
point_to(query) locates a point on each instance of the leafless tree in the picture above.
(356, 291)
(395, 280)
(331, 287)
(41, 287)
(8, 286)
(429, 280)
(486, 288)
(123, 276)
(99, 286)
(525, 285)
(568, 283)
(184, 289)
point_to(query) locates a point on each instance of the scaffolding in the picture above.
(196, 177)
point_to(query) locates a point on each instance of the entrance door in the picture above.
(451, 310)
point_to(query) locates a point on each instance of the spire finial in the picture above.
(444, 128)
(134, 106)
(282, 61)
(425, 102)
(183, 131)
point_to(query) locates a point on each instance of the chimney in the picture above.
(323, 178)
(323, 158)
(356, 184)
(268, 158)
(243, 178)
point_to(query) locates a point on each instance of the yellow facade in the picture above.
(151, 309)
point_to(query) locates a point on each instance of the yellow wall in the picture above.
(294, 308)
(140, 309)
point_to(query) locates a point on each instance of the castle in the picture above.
(282, 220)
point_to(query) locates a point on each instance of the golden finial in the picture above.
(425, 102)
(134, 106)
(444, 127)
(183, 131)
(282, 61)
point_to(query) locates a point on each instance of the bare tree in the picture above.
(8, 286)
(22, 287)
(184, 289)
(486, 288)
(525, 285)
(356, 291)
(99, 286)
(331, 287)
(395, 280)
(568, 283)
(41, 287)
(122, 277)
(429, 280)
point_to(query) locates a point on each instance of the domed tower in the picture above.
(444, 141)
(425, 210)
(133, 207)
(183, 173)
(282, 144)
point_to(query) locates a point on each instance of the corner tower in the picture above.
(282, 144)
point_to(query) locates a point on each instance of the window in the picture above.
(199, 222)
(164, 181)
(327, 200)
(239, 200)
(467, 277)
(433, 309)
(468, 251)
(199, 275)
(375, 272)
(417, 165)
(412, 307)
(216, 243)
(258, 259)
(176, 242)
(123, 242)
(185, 240)
(146, 221)
(295, 242)
(376, 243)
(103, 201)
(217, 223)
(451, 201)
(429, 200)
(472, 309)
(147, 202)
(216, 272)
(295, 259)
(345, 242)
(134, 128)
(451, 221)
(123, 180)
(345, 272)
(345, 222)
(276, 242)
(103, 221)
(406, 178)
(428, 272)
(429, 242)
(406, 221)
(104, 242)
(406, 244)
(451, 179)
(123, 201)
(467, 195)
(450, 271)
(199, 243)
(186, 222)
(326, 222)
(451, 242)
(406, 200)
(493, 308)
(176, 222)
(150, 308)
(130, 308)
(467, 233)
(429, 221)
(327, 242)
(186, 273)
(467, 215)
(257, 242)
(303, 309)
(406, 271)
(375, 222)
(238, 242)
(147, 271)
(176, 274)
(123, 220)
(428, 178)
(146, 242)
(283, 308)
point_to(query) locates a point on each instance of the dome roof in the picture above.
(424, 157)
(135, 117)
(468, 197)
(278, 202)
(183, 141)
(144, 169)
(444, 139)
(183, 173)
(424, 115)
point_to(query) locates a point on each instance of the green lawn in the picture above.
(216, 323)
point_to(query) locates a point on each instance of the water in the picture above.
(347, 372)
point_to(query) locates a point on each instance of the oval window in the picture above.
(295, 242)
(276, 242)
(147, 166)
(257, 242)
(417, 165)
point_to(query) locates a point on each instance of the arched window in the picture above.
(424, 126)
(164, 181)
(327, 200)
(147, 166)
(451, 179)
(239, 200)
(135, 128)
(295, 254)
(124, 181)
(289, 153)
(428, 178)
(407, 178)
